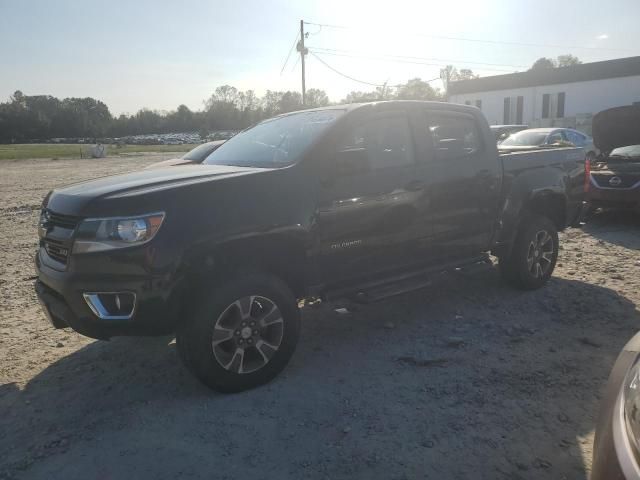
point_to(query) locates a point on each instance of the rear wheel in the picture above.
(242, 334)
(534, 254)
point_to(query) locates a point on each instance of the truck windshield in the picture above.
(525, 138)
(277, 142)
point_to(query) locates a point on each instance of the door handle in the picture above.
(414, 186)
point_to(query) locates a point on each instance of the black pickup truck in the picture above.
(351, 200)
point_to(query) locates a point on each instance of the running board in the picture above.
(389, 287)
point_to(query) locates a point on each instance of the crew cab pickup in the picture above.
(352, 200)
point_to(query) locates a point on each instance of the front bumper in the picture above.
(625, 198)
(61, 295)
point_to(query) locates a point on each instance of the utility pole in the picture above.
(303, 51)
(445, 75)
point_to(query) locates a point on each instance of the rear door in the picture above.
(369, 216)
(464, 177)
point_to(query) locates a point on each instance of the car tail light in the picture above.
(587, 174)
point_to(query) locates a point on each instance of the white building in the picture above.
(563, 97)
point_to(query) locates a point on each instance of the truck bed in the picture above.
(543, 157)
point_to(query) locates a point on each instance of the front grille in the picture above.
(56, 233)
(626, 180)
(63, 221)
(57, 250)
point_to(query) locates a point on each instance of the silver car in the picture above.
(616, 449)
(548, 137)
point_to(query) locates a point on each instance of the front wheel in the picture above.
(534, 254)
(242, 334)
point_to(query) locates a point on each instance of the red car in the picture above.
(614, 180)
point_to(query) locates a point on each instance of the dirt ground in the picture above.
(465, 379)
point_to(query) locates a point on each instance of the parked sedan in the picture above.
(503, 131)
(195, 156)
(616, 449)
(533, 138)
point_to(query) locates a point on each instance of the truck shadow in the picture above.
(620, 227)
(512, 379)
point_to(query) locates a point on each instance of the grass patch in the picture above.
(50, 150)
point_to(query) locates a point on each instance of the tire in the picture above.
(242, 333)
(533, 257)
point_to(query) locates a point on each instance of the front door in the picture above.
(368, 218)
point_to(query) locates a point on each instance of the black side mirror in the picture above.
(351, 162)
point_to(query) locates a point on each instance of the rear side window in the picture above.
(453, 136)
(555, 137)
(574, 137)
(386, 142)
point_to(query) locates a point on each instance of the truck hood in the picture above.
(71, 199)
(616, 127)
(173, 162)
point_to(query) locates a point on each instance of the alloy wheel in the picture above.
(540, 254)
(247, 334)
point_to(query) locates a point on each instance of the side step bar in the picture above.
(391, 286)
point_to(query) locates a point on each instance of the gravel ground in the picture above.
(465, 379)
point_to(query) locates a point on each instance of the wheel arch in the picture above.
(550, 204)
(280, 255)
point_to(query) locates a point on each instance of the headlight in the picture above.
(99, 234)
(631, 399)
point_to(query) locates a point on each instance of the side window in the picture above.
(382, 142)
(555, 137)
(575, 138)
(454, 136)
(354, 139)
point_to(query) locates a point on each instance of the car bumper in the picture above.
(61, 295)
(612, 198)
(613, 457)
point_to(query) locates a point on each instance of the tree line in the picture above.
(25, 118)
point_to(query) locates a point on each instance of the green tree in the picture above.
(543, 63)
(289, 102)
(181, 120)
(271, 102)
(316, 98)
(464, 74)
(417, 89)
(567, 60)
(223, 94)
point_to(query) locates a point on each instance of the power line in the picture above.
(480, 40)
(421, 58)
(295, 64)
(295, 42)
(357, 80)
(344, 74)
(410, 59)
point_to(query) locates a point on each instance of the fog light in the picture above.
(111, 305)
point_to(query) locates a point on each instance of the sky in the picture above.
(160, 54)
